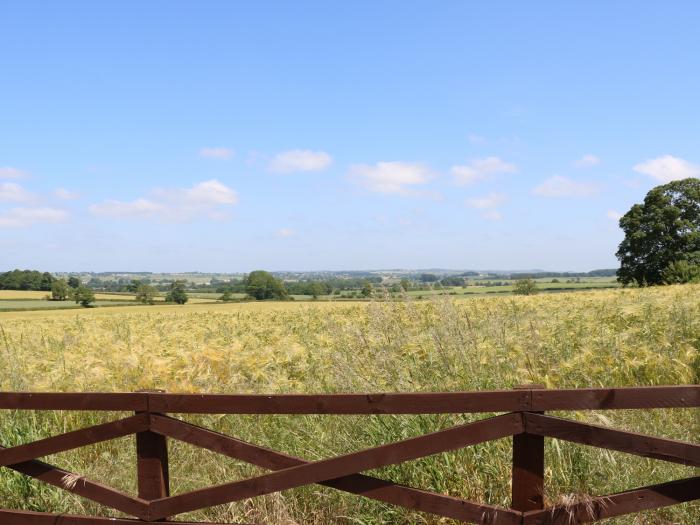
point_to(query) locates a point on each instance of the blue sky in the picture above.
(223, 136)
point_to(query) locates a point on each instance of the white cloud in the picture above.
(587, 161)
(66, 195)
(492, 215)
(393, 178)
(209, 199)
(488, 203)
(475, 139)
(11, 192)
(300, 160)
(564, 187)
(481, 169)
(216, 153)
(21, 217)
(668, 168)
(8, 172)
(286, 232)
(492, 200)
(614, 215)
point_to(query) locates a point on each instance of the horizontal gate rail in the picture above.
(523, 418)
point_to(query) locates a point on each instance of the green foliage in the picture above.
(146, 294)
(74, 282)
(680, 272)
(59, 290)
(367, 289)
(83, 296)
(263, 285)
(177, 293)
(525, 287)
(662, 230)
(26, 280)
(226, 296)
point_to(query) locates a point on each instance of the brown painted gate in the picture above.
(524, 417)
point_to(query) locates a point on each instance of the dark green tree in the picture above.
(59, 290)
(177, 293)
(664, 229)
(367, 289)
(83, 296)
(74, 282)
(263, 285)
(146, 294)
(525, 287)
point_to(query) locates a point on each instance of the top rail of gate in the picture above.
(524, 399)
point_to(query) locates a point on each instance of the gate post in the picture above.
(528, 468)
(152, 463)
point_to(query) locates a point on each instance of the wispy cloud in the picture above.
(488, 204)
(668, 168)
(8, 172)
(557, 186)
(66, 195)
(209, 199)
(587, 161)
(216, 153)
(23, 217)
(481, 169)
(12, 192)
(392, 178)
(286, 232)
(300, 160)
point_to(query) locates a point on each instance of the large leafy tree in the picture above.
(663, 230)
(263, 285)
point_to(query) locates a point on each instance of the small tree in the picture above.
(316, 289)
(226, 296)
(84, 296)
(74, 282)
(177, 293)
(59, 290)
(146, 294)
(525, 287)
(405, 284)
(367, 289)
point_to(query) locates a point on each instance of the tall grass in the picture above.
(603, 338)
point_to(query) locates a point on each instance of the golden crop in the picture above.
(600, 338)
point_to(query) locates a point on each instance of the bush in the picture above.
(680, 272)
(83, 296)
(525, 287)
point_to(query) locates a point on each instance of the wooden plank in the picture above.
(152, 465)
(359, 484)
(391, 454)
(382, 403)
(74, 439)
(598, 508)
(528, 472)
(18, 517)
(126, 402)
(607, 438)
(83, 487)
(681, 396)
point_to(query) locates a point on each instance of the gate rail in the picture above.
(524, 419)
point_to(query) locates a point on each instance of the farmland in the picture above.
(588, 338)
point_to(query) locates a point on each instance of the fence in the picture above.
(524, 419)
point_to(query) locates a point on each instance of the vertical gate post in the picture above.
(152, 463)
(528, 468)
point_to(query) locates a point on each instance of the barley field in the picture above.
(583, 339)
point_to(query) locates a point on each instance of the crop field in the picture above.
(589, 338)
